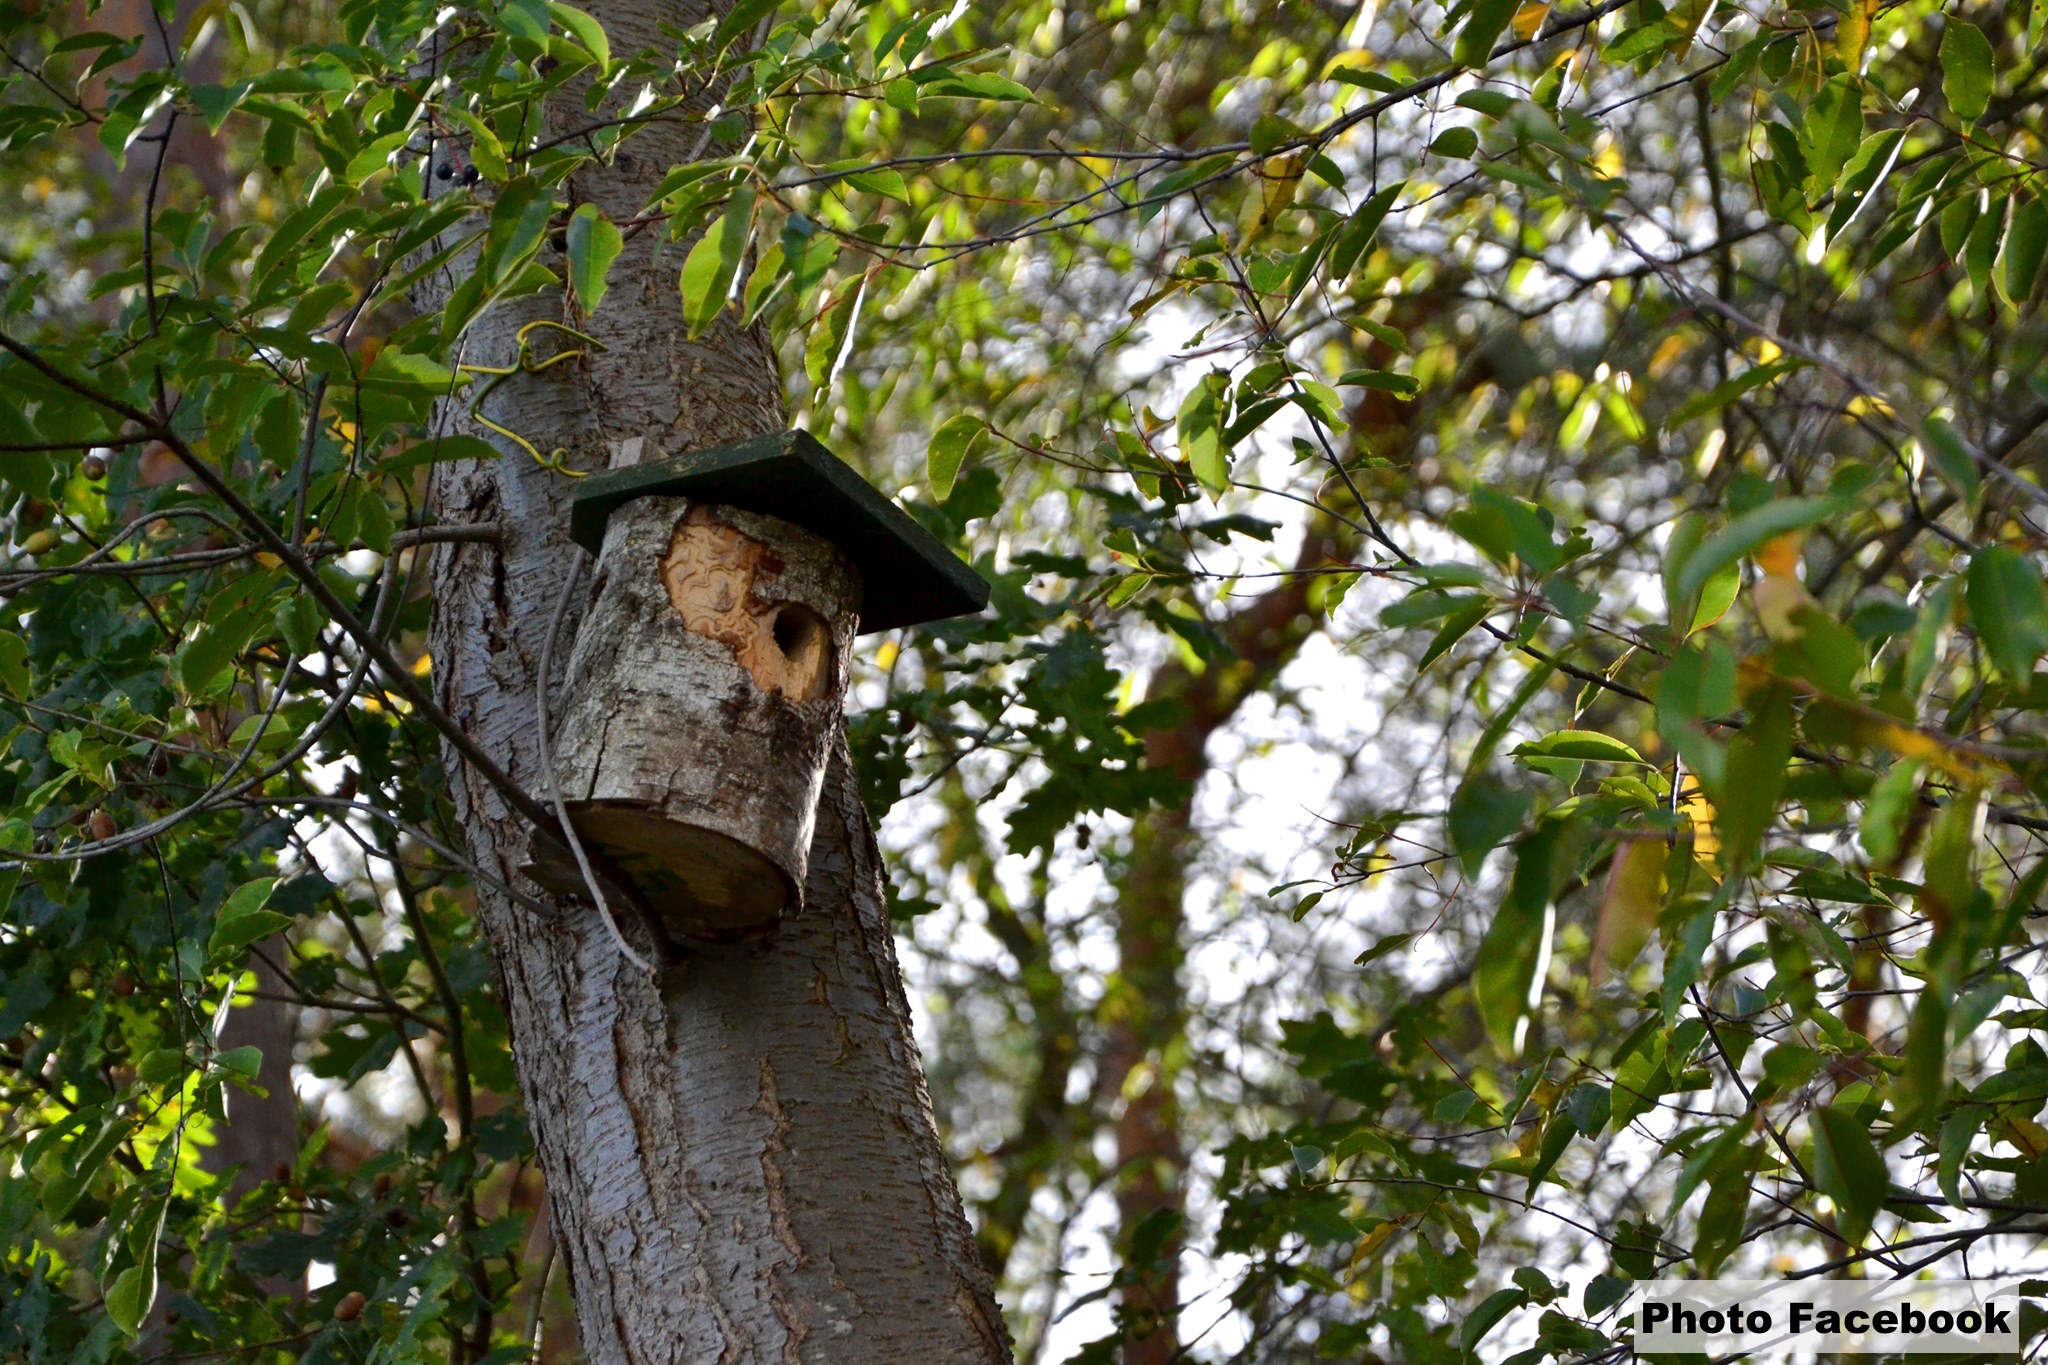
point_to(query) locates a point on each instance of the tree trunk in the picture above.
(740, 1154)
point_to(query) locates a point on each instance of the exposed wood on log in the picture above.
(692, 745)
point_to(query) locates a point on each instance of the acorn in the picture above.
(42, 542)
(93, 466)
(160, 762)
(381, 1186)
(346, 788)
(281, 1172)
(351, 1306)
(124, 984)
(103, 826)
(34, 512)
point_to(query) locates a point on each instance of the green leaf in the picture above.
(1201, 432)
(882, 181)
(1456, 627)
(242, 919)
(1358, 231)
(1958, 1131)
(2009, 609)
(298, 619)
(1488, 1315)
(978, 85)
(133, 1292)
(1919, 1087)
(1716, 596)
(1590, 745)
(1833, 131)
(585, 30)
(1746, 534)
(1966, 68)
(1453, 1107)
(1390, 943)
(1507, 971)
(62, 1191)
(1952, 457)
(950, 446)
(1745, 796)
(714, 262)
(242, 1061)
(518, 222)
(1483, 813)
(14, 672)
(1603, 1292)
(1458, 144)
(1726, 392)
(374, 157)
(524, 19)
(130, 1297)
(204, 659)
(1848, 1169)
(1589, 1105)
(1488, 20)
(1403, 385)
(594, 243)
(1556, 1138)
(2026, 243)
(741, 18)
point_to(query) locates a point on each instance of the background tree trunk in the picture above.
(740, 1154)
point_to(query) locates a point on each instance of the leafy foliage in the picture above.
(1623, 424)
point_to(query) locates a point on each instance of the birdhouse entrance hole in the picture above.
(711, 571)
(705, 687)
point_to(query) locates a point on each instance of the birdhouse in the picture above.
(707, 680)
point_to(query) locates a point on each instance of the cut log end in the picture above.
(700, 883)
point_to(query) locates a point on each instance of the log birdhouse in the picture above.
(707, 680)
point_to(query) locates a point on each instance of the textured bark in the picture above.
(740, 1154)
(704, 695)
(261, 1132)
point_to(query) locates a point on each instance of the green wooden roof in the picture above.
(907, 576)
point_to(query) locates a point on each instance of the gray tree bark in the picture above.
(740, 1154)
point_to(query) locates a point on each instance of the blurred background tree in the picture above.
(1504, 760)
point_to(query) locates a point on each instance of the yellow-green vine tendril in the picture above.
(555, 459)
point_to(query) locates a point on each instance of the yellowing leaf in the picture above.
(1629, 909)
(1852, 34)
(1706, 844)
(1528, 19)
(1780, 554)
(2024, 1133)
(1377, 1238)
(1280, 177)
